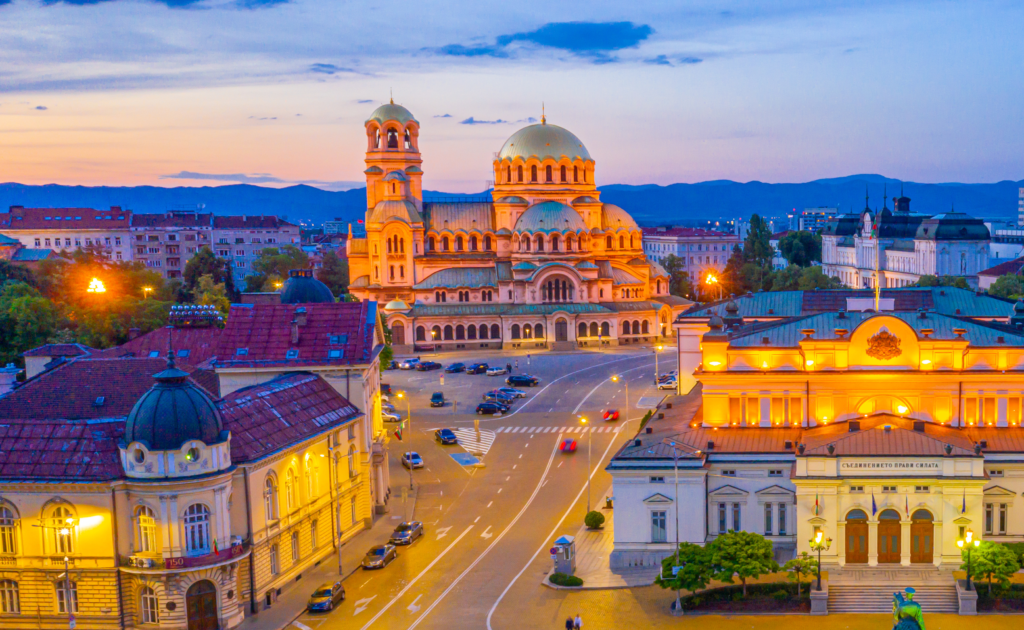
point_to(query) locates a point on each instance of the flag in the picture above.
(874, 508)
(906, 499)
(398, 434)
(816, 504)
(963, 506)
(215, 551)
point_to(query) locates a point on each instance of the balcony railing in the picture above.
(185, 562)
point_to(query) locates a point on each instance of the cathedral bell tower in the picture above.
(393, 157)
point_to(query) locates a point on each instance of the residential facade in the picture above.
(105, 233)
(701, 251)
(241, 239)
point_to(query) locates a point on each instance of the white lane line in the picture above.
(415, 579)
(494, 542)
(301, 626)
(544, 545)
(477, 519)
(490, 504)
(413, 607)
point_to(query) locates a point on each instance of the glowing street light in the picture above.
(278, 285)
(712, 280)
(817, 544)
(657, 374)
(615, 379)
(146, 291)
(408, 416)
(967, 542)
(96, 286)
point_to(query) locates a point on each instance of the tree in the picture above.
(757, 247)
(1010, 286)
(992, 561)
(733, 277)
(695, 569)
(334, 273)
(273, 265)
(10, 271)
(741, 554)
(801, 248)
(386, 354)
(204, 263)
(958, 282)
(800, 566)
(593, 519)
(27, 319)
(679, 280)
(209, 293)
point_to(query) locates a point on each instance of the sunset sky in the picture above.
(207, 92)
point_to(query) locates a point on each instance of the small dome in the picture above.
(550, 216)
(373, 170)
(396, 305)
(614, 217)
(584, 199)
(302, 288)
(543, 141)
(512, 199)
(637, 262)
(396, 176)
(413, 169)
(173, 412)
(395, 209)
(390, 111)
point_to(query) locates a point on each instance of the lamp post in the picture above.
(657, 349)
(146, 291)
(967, 542)
(712, 280)
(408, 416)
(675, 465)
(590, 440)
(65, 533)
(817, 544)
(433, 336)
(615, 379)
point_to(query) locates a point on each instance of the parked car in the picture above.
(477, 368)
(390, 416)
(379, 556)
(670, 384)
(495, 371)
(405, 533)
(388, 407)
(325, 597)
(385, 388)
(504, 404)
(512, 391)
(568, 446)
(509, 398)
(409, 364)
(392, 365)
(426, 366)
(437, 399)
(490, 408)
(522, 380)
(455, 367)
(611, 414)
(412, 459)
(445, 436)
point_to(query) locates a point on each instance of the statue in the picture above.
(906, 613)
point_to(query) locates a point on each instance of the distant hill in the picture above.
(650, 204)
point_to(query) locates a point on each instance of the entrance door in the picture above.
(398, 334)
(856, 537)
(921, 541)
(561, 330)
(889, 537)
(201, 606)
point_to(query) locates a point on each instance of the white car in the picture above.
(495, 371)
(672, 384)
(389, 416)
(409, 364)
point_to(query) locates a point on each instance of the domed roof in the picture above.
(302, 288)
(550, 216)
(395, 209)
(396, 305)
(390, 111)
(614, 217)
(513, 199)
(541, 141)
(173, 412)
(586, 264)
(584, 199)
(396, 176)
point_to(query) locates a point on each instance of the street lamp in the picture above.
(96, 286)
(615, 379)
(712, 280)
(278, 285)
(433, 335)
(967, 542)
(817, 544)
(408, 415)
(657, 349)
(146, 291)
(590, 440)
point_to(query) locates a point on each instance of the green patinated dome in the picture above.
(395, 209)
(542, 141)
(550, 216)
(390, 111)
(302, 288)
(173, 412)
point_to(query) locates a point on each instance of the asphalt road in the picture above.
(488, 528)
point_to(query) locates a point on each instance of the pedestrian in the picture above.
(517, 364)
(577, 623)
(569, 623)
(508, 368)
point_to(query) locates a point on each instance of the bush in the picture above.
(768, 597)
(780, 595)
(594, 519)
(564, 579)
(737, 596)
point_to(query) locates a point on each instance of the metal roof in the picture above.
(542, 141)
(460, 277)
(469, 216)
(550, 216)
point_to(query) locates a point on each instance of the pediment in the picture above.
(963, 520)
(657, 498)
(775, 490)
(999, 491)
(728, 491)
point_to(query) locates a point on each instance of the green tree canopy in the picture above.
(992, 561)
(27, 320)
(757, 247)
(958, 282)
(741, 554)
(695, 569)
(679, 280)
(10, 271)
(802, 565)
(1010, 286)
(272, 267)
(209, 293)
(334, 273)
(801, 248)
(205, 263)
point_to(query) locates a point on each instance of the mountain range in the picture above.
(650, 204)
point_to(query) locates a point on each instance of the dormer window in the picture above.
(292, 354)
(242, 352)
(335, 354)
(338, 339)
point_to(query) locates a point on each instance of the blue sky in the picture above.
(174, 92)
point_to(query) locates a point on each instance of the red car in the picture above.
(568, 446)
(611, 414)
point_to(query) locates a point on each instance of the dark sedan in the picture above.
(379, 556)
(490, 408)
(405, 533)
(522, 380)
(455, 367)
(477, 368)
(427, 366)
(445, 436)
(325, 597)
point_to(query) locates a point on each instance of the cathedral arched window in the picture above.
(401, 271)
(431, 244)
(547, 174)
(389, 245)
(483, 331)
(526, 243)
(458, 243)
(622, 242)
(460, 332)
(471, 332)
(569, 243)
(625, 328)
(444, 243)
(554, 243)
(421, 333)
(508, 174)
(519, 173)
(540, 243)
(435, 333)
(533, 173)
(487, 243)
(437, 296)
(401, 245)
(495, 330)
(473, 244)
(392, 139)
(608, 243)
(563, 174)
(448, 332)
(408, 140)
(593, 329)
(527, 332)
(376, 139)
(515, 331)
(391, 272)
(576, 174)
(646, 327)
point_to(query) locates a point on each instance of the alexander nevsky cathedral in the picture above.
(544, 264)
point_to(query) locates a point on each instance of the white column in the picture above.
(172, 524)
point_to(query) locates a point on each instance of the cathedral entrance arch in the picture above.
(922, 532)
(561, 329)
(398, 334)
(201, 606)
(889, 537)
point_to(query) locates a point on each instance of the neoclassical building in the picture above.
(544, 263)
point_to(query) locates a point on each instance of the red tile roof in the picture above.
(173, 219)
(685, 232)
(67, 350)
(60, 451)
(265, 418)
(998, 440)
(194, 346)
(260, 335)
(20, 218)
(1002, 269)
(873, 439)
(249, 222)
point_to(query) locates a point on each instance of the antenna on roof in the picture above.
(543, 115)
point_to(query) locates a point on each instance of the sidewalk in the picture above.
(292, 601)
(593, 547)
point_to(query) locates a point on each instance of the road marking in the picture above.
(560, 464)
(507, 478)
(415, 579)
(467, 440)
(494, 542)
(301, 626)
(489, 504)
(362, 604)
(477, 519)
(487, 533)
(516, 466)
(442, 532)
(413, 607)
(499, 490)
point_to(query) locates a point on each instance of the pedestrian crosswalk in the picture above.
(467, 440)
(607, 429)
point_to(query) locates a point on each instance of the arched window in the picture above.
(444, 243)
(149, 605)
(508, 174)
(487, 243)
(519, 173)
(593, 329)
(63, 533)
(636, 327)
(392, 139)
(391, 270)
(458, 243)
(538, 332)
(483, 331)
(608, 242)
(437, 296)
(310, 484)
(575, 174)
(606, 329)
(408, 140)
(351, 461)
(431, 244)
(582, 332)
(495, 331)
(625, 328)
(10, 600)
(435, 333)
(421, 333)
(622, 242)
(471, 332)
(584, 175)
(401, 272)
(564, 180)
(460, 332)
(197, 529)
(533, 173)
(289, 490)
(448, 332)
(515, 331)
(632, 241)
(526, 243)
(67, 597)
(527, 332)
(569, 243)
(389, 245)
(658, 286)
(8, 531)
(472, 243)
(540, 243)
(645, 327)
(554, 243)
(145, 529)
(295, 548)
(376, 139)
(547, 174)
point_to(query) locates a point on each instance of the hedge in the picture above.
(564, 579)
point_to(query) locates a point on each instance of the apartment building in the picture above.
(165, 242)
(241, 239)
(102, 232)
(701, 250)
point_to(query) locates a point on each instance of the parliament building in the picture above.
(543, 264)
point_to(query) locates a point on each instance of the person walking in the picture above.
(517, 364)
(577, 623)
(569, 623)
(508, 368)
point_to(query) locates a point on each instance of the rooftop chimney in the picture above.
(300, 316)
(295, 332)
(711, 445)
